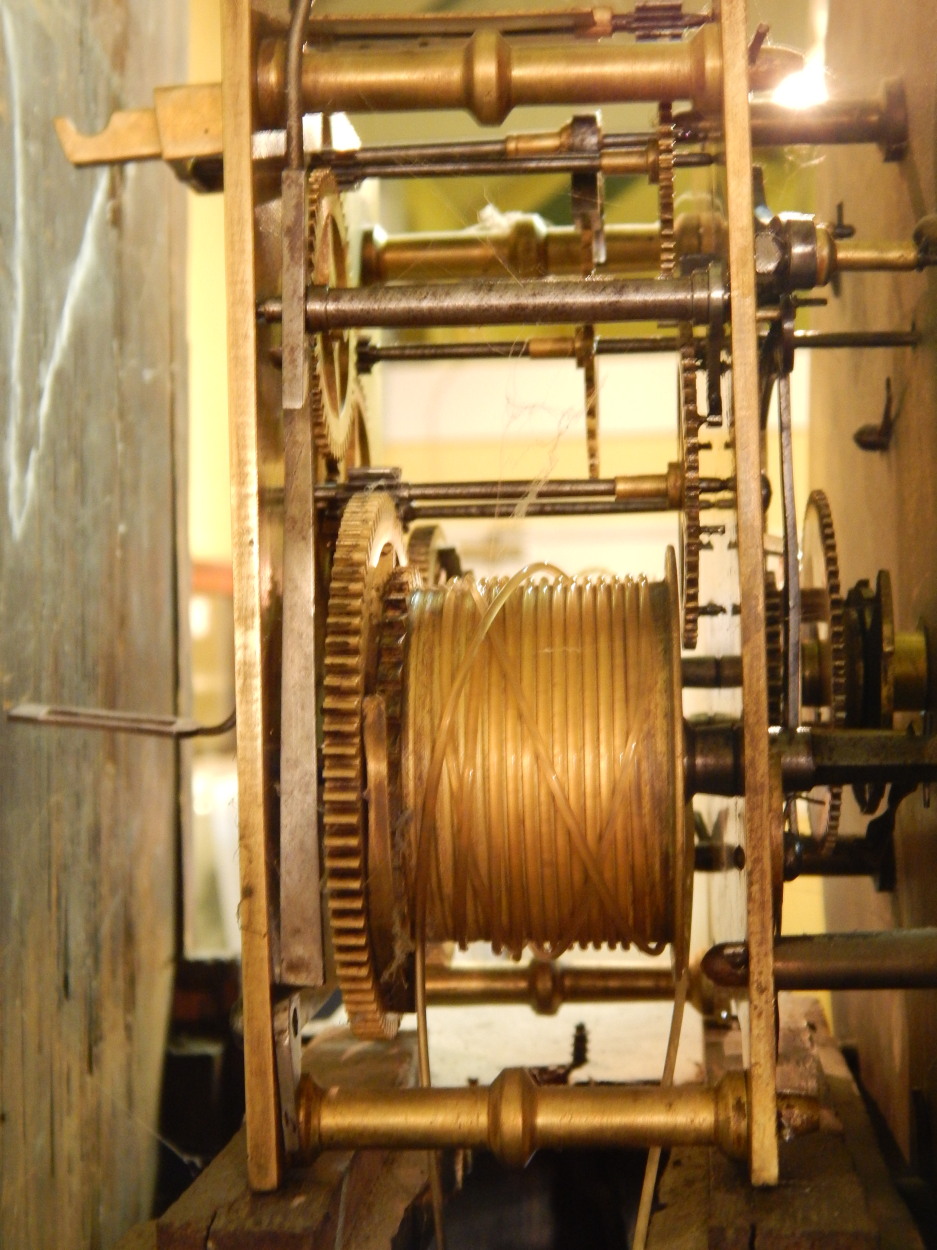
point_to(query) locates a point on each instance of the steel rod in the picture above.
(883, 121)
(371, 353)
(547, 508)
(654, 492)
(836, 122)
(809, 757)
(649, 492)
(586, 22)
(536, 508)
(614, 164)
(850, 857)
(895, 959)
(514, 489)
(856, 338)
(858, 121)
(546, 985)
(847, 757)
(882, 257)
(711, 672)
(520, 303)
(555, 488)
(299, 20)
(868, 854)
(791, 591)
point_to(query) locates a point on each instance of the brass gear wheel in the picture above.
(824, 619)
(369, 547)
(690, 536)
(335, 394)
(665, 195)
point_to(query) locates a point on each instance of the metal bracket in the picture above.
(288, 1020)
(183, 129)
(178, 727)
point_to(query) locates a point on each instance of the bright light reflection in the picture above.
(804, 89)
(199, 617)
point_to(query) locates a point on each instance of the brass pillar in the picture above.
(490, 74)
(514, 1117)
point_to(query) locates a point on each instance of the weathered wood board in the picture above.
(348, 1198)
(835, 1191)
(92, 393)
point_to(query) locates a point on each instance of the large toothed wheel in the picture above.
(369, 548)
(824, 622)
(335, 398)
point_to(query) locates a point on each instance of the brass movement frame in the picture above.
(252, 641)
(490, 81)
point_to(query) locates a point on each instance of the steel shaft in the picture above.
(895, 959)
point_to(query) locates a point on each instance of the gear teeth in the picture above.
(774, 638)
(391, 654)
(690, 535)
(335, 396)
(369, 525)
(819, 506)
(665, 193)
